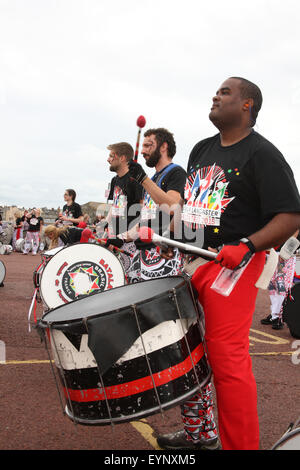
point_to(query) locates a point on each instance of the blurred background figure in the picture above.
(35, 225)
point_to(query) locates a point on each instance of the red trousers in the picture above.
(227, 324)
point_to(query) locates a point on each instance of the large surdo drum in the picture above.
(80, 269)
(126, 353)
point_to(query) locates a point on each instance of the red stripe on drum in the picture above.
(139, 385)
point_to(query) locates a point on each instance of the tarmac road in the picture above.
(31, 414)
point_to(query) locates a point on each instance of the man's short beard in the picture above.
(153, 159)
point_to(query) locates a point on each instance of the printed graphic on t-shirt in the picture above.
(206, 197)
(119, 203)
(149, 208)
(69, 214)
(34, 221)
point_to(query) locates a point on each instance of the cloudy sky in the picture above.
(76, 74)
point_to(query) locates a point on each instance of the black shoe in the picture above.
(177, 440)
(267, 320)
(277, 324)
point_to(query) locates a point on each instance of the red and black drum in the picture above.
(126, 353)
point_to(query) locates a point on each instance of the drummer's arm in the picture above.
(276, 232)
(71, 219)
(166, 200)
(132, 233)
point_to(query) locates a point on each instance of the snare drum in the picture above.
(2, 273)
(127, 353)
(79, 269)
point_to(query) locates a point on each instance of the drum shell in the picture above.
(291, 311)
(174, 353)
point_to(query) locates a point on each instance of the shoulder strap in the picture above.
(164, 174)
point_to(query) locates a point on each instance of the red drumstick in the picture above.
(87, 234)
(141, 121)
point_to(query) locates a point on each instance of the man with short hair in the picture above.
(162, 196)
(242, 193)
(126, 196)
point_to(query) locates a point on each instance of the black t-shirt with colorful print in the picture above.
(125, 195)
(34, 223)
(170, 178)
(232, 192)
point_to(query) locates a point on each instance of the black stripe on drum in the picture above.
(161, 359)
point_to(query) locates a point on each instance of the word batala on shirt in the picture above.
(150, 459)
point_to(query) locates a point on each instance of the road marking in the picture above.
(146, 431)
(30, 361)
(275, 339)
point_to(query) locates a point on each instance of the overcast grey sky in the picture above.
(76, 74)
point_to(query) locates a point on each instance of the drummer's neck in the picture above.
(163, 162)
(122, 171)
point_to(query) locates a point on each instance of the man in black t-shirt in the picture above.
(126, 197)
(162, 196)
(71, 213)
(241, 192)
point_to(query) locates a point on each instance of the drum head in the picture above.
(79, 269)
(107, 302)
(2, 272)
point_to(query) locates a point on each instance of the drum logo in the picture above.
(82, 278)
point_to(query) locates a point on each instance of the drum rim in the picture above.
(52, 257)
(285, 437)
(142, 414)
(62, 323)
(2, 263)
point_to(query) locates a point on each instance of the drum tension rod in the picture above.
(84, 320)
(184, 334)
(133, 306)
(63, 375)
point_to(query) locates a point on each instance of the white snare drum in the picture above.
(2, 273)
(79, 269)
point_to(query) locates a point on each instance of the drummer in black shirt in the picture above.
(126, 196)
(71, 213)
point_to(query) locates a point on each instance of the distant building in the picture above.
(91, 208)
